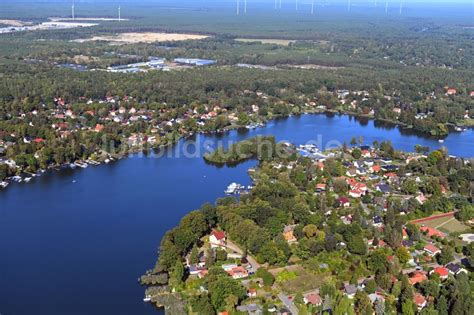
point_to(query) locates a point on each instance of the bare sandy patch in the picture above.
(14, 22)
(133, 38)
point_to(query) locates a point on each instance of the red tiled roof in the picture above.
(417, 278)
(431, 248)
(219, 235)
(442, 271)
(431, 231)
(419, 299)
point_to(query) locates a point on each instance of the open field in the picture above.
(68, 19)
(282, 42)
(133, 38)
(300, 280)
(14, 22)
(447, 223)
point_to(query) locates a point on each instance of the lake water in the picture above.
(78, 247)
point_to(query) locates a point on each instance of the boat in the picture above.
(27, 179)
(3, 184)
(231, 189)
(80, 164)
(440, 140)
(147, 298)
(107, 161)
(458, 129)
(72, 165)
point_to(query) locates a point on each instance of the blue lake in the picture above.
(78, 247)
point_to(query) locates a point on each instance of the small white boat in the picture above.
(147, 298)
(231, 189)
(3, 184)
(440, 140)
(27, 179)
(107, 161)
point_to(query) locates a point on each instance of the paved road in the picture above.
(288, 303)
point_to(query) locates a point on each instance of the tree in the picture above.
(176, 277)
(267, 277)
(370, 286)
(202, 305)
(362, 303)
(356, 153)
(466, 213)
(446, 256)
(353, 141)
(408, 308)
(402, 254)
(194, 255)
(442, 305)
(310, 230)
(379, 307)
(356, 245)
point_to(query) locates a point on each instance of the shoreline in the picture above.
(147, 148)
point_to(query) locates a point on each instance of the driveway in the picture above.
(237, 249)
(288, 303)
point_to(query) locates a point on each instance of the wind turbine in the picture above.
(401, 6)
(312, 7)
(72, 9)
(119, 15)
(238, 7)
(280, 4)
(386, 7)
(245, 6)
(349, 5)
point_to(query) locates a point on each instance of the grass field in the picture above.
(301, 281)
(282, 42)
(446, 225)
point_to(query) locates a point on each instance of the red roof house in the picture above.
(217, 239)
(432, 232)
(431, 250)
(420, 301)
(442, 271)
(417, 277)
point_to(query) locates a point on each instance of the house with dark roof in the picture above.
(350, 290)
(455, 269)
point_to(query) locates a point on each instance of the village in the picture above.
(133, 125)
(374, 190)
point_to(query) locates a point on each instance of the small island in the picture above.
(355, 230)
(261, 148)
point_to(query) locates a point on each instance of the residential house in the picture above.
(344, 202)
(417, 277)
(356, 193)
(455, 269)
(288, 233)
(383, 188)
(238, 272)
(430, 232)
(350, 290)
(441, 271)
(451, 91)
(217, 239)
(313, 298)
(431, 250)
(252, 293)
(420, 301)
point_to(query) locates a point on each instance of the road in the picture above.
(255, 265)
(288, 303)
